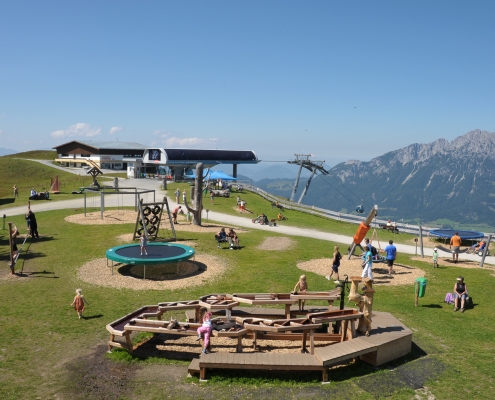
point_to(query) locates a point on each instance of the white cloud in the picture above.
(114, 130)
(79, 129)
(160, 133)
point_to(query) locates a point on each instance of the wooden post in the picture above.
(11, 239)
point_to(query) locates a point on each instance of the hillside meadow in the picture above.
(47, 352)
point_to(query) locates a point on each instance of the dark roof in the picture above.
(100, 145)
(220, 156)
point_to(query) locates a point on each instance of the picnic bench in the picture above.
(392, 228)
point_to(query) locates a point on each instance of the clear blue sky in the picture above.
(338, 79)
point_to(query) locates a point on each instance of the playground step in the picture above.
(343, 351)
(269, 361)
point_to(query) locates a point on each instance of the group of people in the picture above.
(231, 237)
(32, 230)
(177, 196)
(391, 254)
(34, 195)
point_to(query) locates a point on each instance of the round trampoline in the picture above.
(464, 234)
(158, 253)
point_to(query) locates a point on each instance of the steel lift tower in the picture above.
(303, 161)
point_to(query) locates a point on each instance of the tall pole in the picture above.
(485, 250)
(306, 187)
(294, 190)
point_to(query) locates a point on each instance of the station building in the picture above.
(107, 155)
(141, 161)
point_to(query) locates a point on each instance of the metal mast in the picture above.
(313, 166)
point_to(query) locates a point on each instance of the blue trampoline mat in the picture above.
(464, 234)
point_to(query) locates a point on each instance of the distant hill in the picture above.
(4, 152)
(439, 180)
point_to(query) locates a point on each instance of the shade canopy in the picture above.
(221, 175)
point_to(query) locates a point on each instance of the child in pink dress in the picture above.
(79, 302)
(205, 318)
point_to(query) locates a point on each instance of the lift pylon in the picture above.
(303, 161)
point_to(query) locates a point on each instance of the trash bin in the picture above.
(421, 286)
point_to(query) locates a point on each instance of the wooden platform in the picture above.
(260, 312)
(260, 361)
(389, 339)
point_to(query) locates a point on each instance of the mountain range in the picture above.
(436, 181)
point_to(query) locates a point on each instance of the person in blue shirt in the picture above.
(367, 265)
(391, 251)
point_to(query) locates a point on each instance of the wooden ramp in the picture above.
(339, 352)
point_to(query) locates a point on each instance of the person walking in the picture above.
(391, 251)
(335, 263)
(368, 265)
(177, 196)
(16, 191)
(33, 223)
(455, 244)
(184, 195)
(212, 197)
(435, 258)
(79, 303)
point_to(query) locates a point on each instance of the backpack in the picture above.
(449, 298)
(469, 302)
(374, 251)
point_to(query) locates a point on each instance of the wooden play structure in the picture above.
(54, 185)
(375, 340)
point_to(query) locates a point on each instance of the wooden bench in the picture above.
(258, 361)
(392, 228)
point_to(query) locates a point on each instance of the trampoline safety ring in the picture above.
(158, 253)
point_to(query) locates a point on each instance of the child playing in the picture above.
(79, 302)
(143, 241)
(303, 287)
(205, 318)
(335, 263)
(435, 258)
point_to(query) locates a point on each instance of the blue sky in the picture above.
(338, 79)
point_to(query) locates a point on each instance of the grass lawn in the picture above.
(47, 352)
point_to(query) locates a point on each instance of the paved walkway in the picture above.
(232, 220)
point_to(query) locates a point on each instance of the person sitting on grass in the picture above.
(233, 239)
(460, 292)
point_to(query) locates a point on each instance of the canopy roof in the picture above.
(212, 175)
(221, 175)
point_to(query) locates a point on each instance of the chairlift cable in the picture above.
(329, 184)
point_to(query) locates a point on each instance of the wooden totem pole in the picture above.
(364, 302)
(196, 196)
